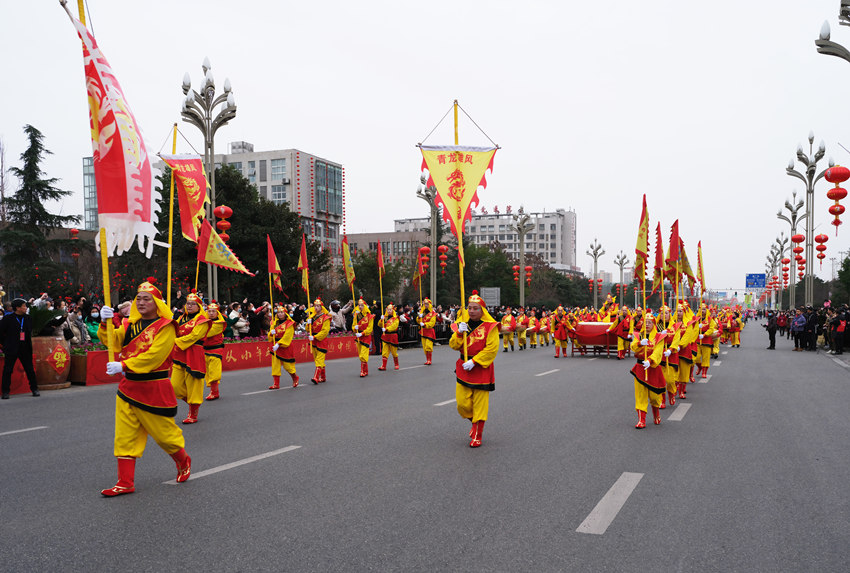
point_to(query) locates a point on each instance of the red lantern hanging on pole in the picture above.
(223, 212)
(443, 258)
(836, 174)
(528, 274)
(821, 248)
(516, 273)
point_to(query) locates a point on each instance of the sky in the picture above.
(700, 106)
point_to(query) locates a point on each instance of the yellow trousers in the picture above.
(318, 358)
(736, 338)
(703, 355)
(521, 338)
(187, 387)
(277, 363)
(472, 404)
(507, 338)
(562, 343)
(643, 395)
(133, 425)
(622, 344)
(389, 349)
(363, 352)
(684, 372)
(213, 369)
(427, 345)
(533, 338)
(716, 348)
(671, 375)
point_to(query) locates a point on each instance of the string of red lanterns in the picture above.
(223, 212)
(443, 258)
(836, 174)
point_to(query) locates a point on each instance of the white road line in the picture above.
(717, 363)
(702, 380)
(836, 360)
(592, 359)
(446, 402)
(725, 352)
(24, 430)
(610, 505)
(235, 464)
(264, 391)
(548, 372)
(679, 413)
(412, 367)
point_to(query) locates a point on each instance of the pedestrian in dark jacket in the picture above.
(16, 339)
(771, 330)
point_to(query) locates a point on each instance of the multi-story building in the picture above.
(553, 236)
(400, 246)
(310, 185)
(89, 196)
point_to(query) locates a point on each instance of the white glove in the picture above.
(646, 363)
(644, 342)
(420, 314)
(700, 336)
(422, 324)
(463, 327)
(275, 347)
(664, 332)
(468, 365)
(667, 353)
(630, 337)
(113, 368)
(382, 317)
(310, 337)
(383, 329)
(359, 334)
(106, 313)
(356, 328)
(309, 321)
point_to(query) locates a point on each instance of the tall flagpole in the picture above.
(271, 295)
(107, 295)
(171, 221)
(462, 262)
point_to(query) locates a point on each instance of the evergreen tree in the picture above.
(26, 241)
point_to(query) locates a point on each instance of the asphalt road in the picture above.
(752, 478)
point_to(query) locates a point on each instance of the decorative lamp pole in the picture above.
(595, 252)
(429, 195)
(522, 226)
(621, 260)
(792, 219)
(199, 110)
(810, 177)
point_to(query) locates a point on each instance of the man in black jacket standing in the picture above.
(16, 339)
(810, 329)
(771, 330)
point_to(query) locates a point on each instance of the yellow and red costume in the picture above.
(672, 338)
(621, 326)
(281, 333)
(319, 322)
(389, 327)
(734, 326)
(707, 328)
(427, 322)
(687, 347)
(190, 368)
(560, 327)
(521, 327)
(543, 328)
(507, 326)
(649, 381)
(362, 327)
(213, 350)
(474, 384)
(145, 404)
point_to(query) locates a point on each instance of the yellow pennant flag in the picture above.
(457, 172)
(642, 247)
(346, 262)
(211, 249)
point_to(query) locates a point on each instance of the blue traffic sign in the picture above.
(756, 280)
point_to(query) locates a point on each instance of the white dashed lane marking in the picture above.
(610, 505)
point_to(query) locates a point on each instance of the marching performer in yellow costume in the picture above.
(389, 338)
(532, 328)
(621, 326)
(521, 326)
(474, 372)
(543, 328)
(319, 322)
(281, 332)
(362, 328)
(213, 349)
(145, 404)
(560, 327)
(707, 326)
(427, 321)
(507, 328)
(673, 336)
(190, 368)
(688, 332)
(648, 377)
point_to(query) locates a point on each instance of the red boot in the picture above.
(322, 374)
(395, 361)
(362, 369)
(294, 377)
(315, 379)
(705, 371)
(192, 416)
(383, 365)
(641, 420)
(621, 354)
(213, 395)
(478, 428)
(427, 359)
(557, 352)
(126, 475)
(672, 397)
(184, 464)
(681, 387)
(663, 405)
(276, 384)
(656, 415)
(692, 374)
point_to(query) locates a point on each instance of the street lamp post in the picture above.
(595, 252)
(781, 245)
(810, 178)
(429, 195)
(198, 109)
(621, 260)
(792, 219)
(522, 226)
